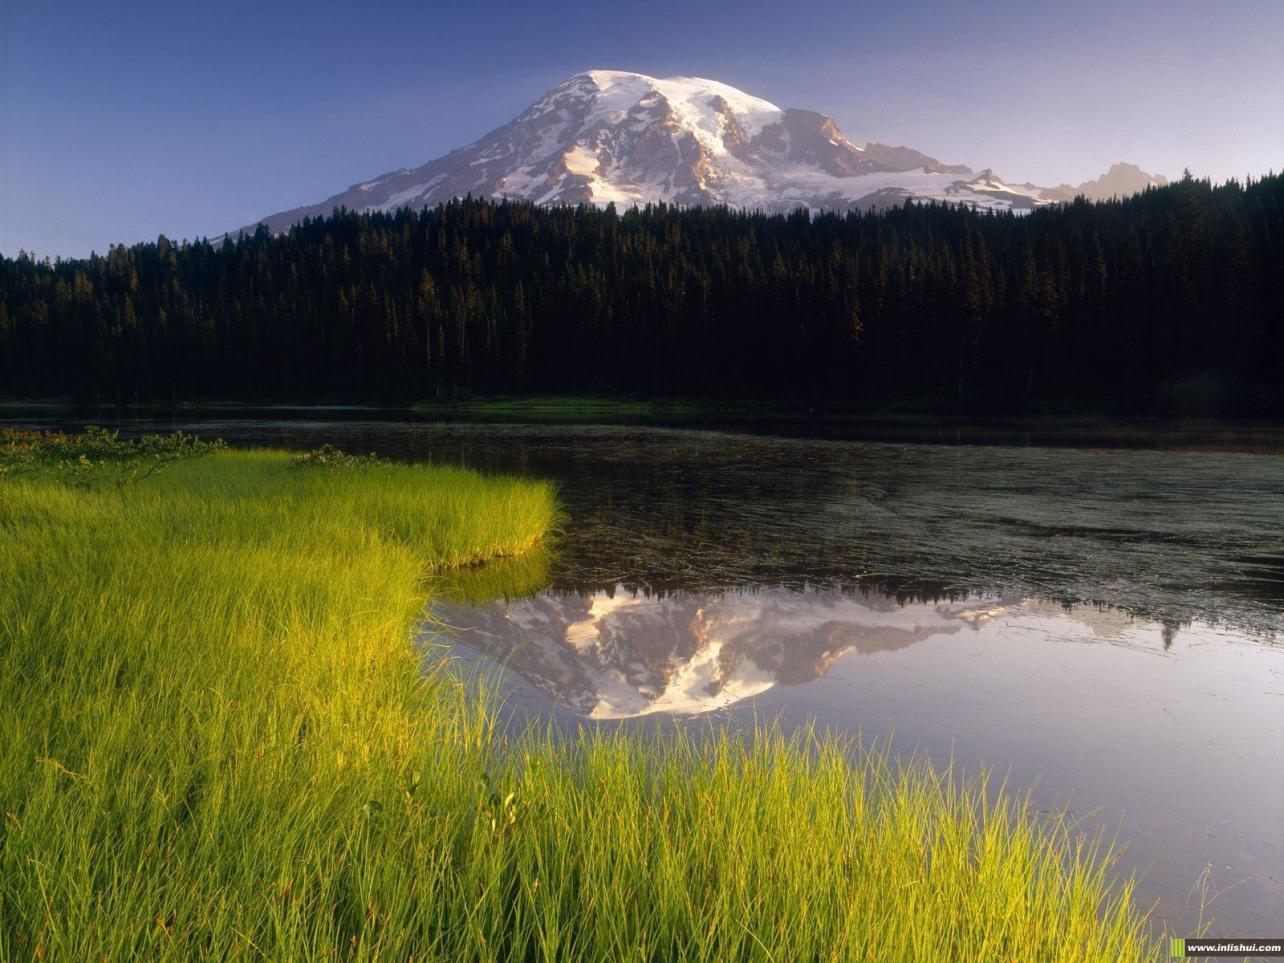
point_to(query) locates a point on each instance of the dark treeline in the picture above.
(1169, 301)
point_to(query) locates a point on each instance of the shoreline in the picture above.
(773, 418)
(237, 749)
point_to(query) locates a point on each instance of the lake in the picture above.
(1099, 626)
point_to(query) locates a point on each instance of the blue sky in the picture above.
(121, 121)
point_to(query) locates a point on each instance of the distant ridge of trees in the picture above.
(1170, 301)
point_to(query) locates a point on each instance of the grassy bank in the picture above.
(216, 742)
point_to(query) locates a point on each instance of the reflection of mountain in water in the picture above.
(620, 654)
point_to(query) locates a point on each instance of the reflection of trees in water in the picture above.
(899, 591)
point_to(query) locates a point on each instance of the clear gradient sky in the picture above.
(120, 121)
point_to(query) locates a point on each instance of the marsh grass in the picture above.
(515, 577)
(217, 743)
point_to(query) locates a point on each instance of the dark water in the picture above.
(1101, 625)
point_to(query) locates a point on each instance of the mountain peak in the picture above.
(1121, 180)
(697, 103)
(615, 136)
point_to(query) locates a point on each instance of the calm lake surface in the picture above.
(1103, 627)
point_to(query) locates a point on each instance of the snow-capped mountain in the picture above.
(611, 136)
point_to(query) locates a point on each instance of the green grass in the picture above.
(217, 743)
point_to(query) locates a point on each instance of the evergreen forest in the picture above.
(1169, 302)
